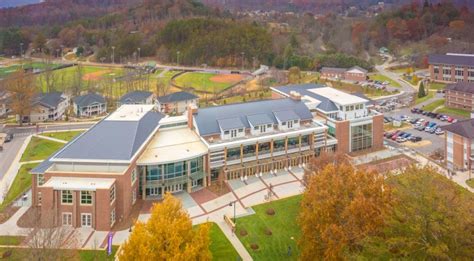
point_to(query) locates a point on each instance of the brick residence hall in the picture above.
(139, 153)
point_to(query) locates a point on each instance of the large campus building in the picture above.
(451, 67)
(138, 152)
(460, 95)
(459, 146)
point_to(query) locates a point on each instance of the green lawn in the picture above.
(20, 184)
(430, 95)
(455, 112)
(64, 135)
(67, 77)
(5, 71)
(84, 255)
(40, 149)
(220, 247)
(470, 182)
(437, 86)
(11, 240)
(283, 226)
(433, 105)
(383, 78)
(201, 82)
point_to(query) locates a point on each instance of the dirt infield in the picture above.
(95, 76)
(227, 78)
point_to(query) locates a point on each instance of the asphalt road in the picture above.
(10, 149)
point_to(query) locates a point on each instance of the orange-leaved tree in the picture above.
(340, 207)
(167, 235)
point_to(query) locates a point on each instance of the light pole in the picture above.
(138, 54)
(177, 57)
(113, 54)
(21, 50)
(243, 59)
(233, 204)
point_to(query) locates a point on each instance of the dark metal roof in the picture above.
(135, 97)
(451, 59)
(467, 87)
(333, 70)
(463, 128)
(358, 68)
(88, 99)
(287, 115)
(230, 124)
(207, 119)
(259, 119)
(50, 100)
(326, 104)
(111, 140)
(177, 97)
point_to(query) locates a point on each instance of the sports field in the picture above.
(207, 82)
(11, 68)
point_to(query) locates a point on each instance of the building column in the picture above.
(144, 182)
(189, 183)
(94, 210)
(207, 170)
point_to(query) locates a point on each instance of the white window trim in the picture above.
(62, 218)
(86, 214)
(72, 193)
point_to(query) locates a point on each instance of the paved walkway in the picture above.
(10, 227)
(50, 138)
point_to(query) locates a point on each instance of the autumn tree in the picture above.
(167, 235)
(341, 206)
(23, 92)
(432, 219)
(48, 77)
(294, 75)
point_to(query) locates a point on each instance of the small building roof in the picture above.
(259, 119)
(49, 100)
(177, 97)
(89, 99)
(231, 124)
(333, 70)
(463, 128)
(82, 184)
(287, 115)
(355, 69)
(452, 59)
(467, 87)
(135, 97)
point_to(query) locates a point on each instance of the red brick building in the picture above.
(356, 73)
(460, 95)
(451, 67)
(459, 148)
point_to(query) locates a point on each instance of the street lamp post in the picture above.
(177, 57)
(113, 54)
(233, 204)
(243, 60)
(139, 54)
(21, 50)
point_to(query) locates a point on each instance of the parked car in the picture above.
(449, 119)
(394, 137)
(414, 110)
(415, 138)
(401, 140)
(414, 120)
(439, 131)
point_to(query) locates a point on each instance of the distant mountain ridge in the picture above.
(15, 3)
(314, 5)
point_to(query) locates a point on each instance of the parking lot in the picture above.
(436, 142)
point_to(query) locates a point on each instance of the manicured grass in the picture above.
(40, 149)
(84, 255)
(437, 86)
(430, 95)
(201, 82)
(220, 247)
(5, 71)
(455, 112)
(383, 78)
(285, 230)
(67, 77)
(433, 105)
(64, 135)
(20, 184)
(470, 182)
(11, 240)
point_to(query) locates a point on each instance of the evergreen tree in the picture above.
(421, 91)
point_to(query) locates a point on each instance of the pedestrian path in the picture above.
(234, 240)
(50, 138)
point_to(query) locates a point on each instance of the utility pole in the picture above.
(138, 54)
(243, 60)
(177, 57)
